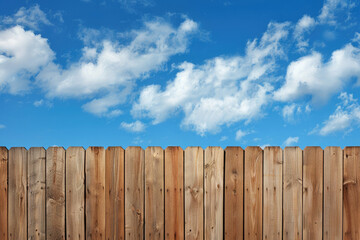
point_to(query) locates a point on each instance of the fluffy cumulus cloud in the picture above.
(31, 17)
(345, 117)
(291, 141)
(107, 71)
(136, 126)
(312, 76)
(22, 55)
(221, 91)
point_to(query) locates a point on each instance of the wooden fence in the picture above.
(212, 194)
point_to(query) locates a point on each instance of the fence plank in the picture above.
(174, 200)
(194, 193)
(75, 193)
(214, 192)
(3, 193)
(17, 225)
(234, 193)
(312, 193)
(95, 193)
(333, 193)
(55, 193)
(351, 183)
(253, 193)
(36, 193)
(114, 190)
(154, 193)
(272, 222)
(292, 194)
(134, 194)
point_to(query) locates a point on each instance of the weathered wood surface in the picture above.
(154, 193)
(194, 193)
(253, 193)
(174, 193)
(3, 193)
(234, 193)
(115, 193)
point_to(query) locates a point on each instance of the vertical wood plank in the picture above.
(272, 207)
(292, 193)
(313, 164)
(17, 212)
(351, 193)
(214, 192)
(154, 193)
(3, 193)
(75, 193)
(36, 193)
(194, 193)
(333, 193)
(234, 193)
(114, 190)
(134, 193)
(55, 193)
(174, 200)
(253, 193)
(95, 193)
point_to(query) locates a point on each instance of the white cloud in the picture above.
(22, 55)
(107, 72)
(310, 75)
(345, 117)
(136, 126)
(330, 8)
(303, 26)
(291, 141)
(2, 126)
(223, 138)
(240, 134)
(31, 17)
(222, 91)
(39, 103)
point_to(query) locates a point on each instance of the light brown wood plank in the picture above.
(194, 193)
(333, 193)
(55, 193)
(17, 211)
(351, 230)
(75, 193)
(292, 193)
(3, 193)
(154, 193)
(234, 193)
(214, 193)
(272, 207)
(253, 193)
(174, 198)
(115, 194)
(95, 192)
(313, 164)
(134, 193)
(36, 193)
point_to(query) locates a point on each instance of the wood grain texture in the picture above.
(154, 193)
(174, 198)
(36, 193)
(55, 193)
(115, 194)
(214, 193)
(333, 193)
(3, 193)
(351, 186)
(234, 193)
(95, 193)
(17, 211)
(75, 193)
(272, 207)
(194, 193)
(313, 164)
(253, 193)
(134, 193)
(292, 193)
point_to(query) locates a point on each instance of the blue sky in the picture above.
(188, 73)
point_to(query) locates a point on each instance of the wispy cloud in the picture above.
(291, 141)
(2, 126)
(136, 126)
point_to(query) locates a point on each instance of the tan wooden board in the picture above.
(3, 193)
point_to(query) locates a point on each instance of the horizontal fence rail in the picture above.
(196, 193)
